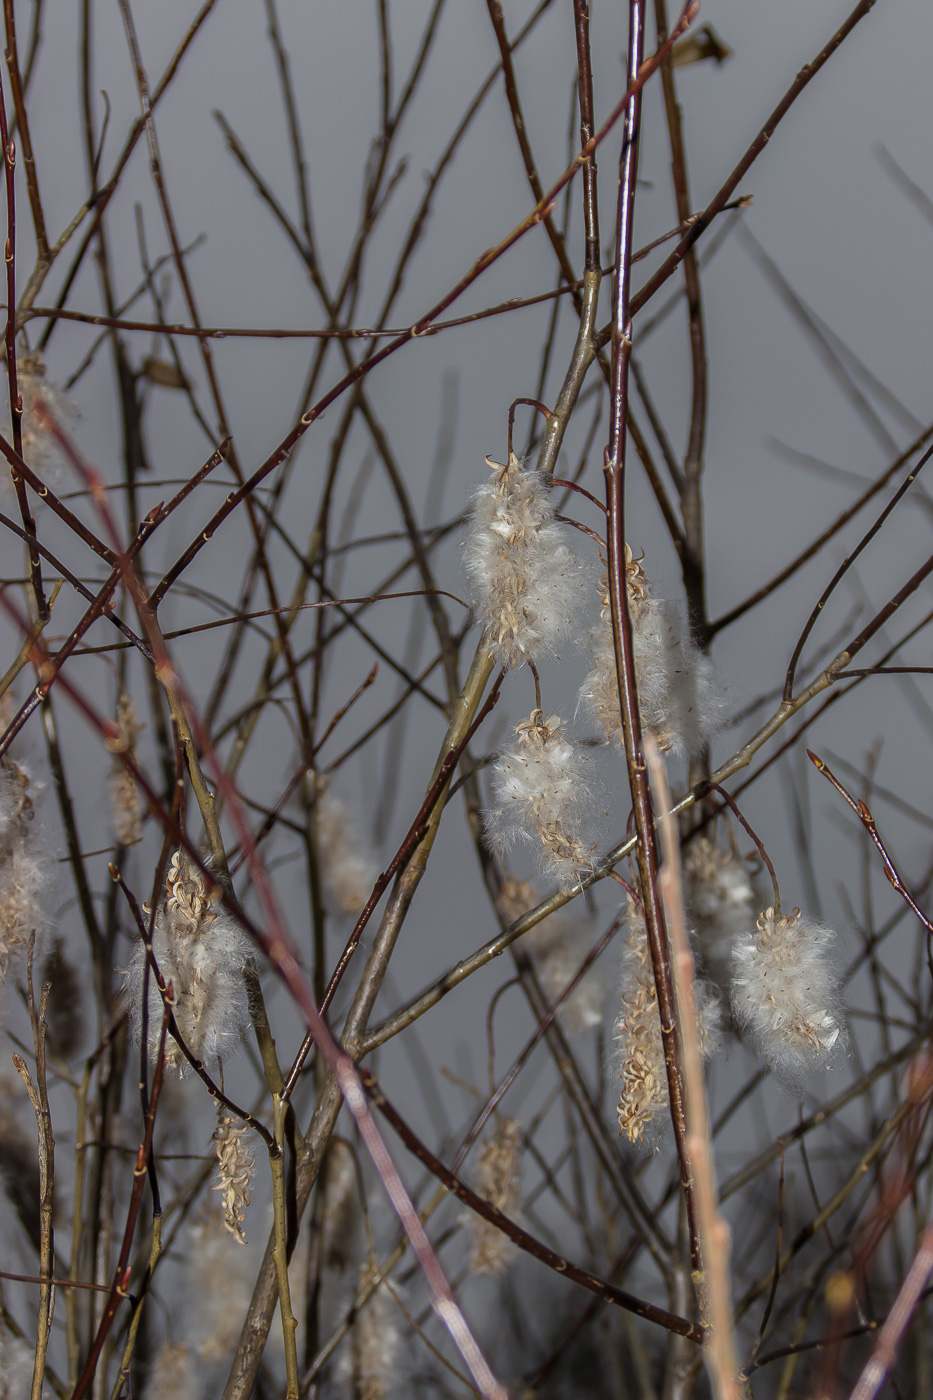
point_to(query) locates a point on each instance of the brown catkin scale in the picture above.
(234, 1169)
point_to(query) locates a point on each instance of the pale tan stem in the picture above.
(712, 1282)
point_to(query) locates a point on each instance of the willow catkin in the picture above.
(203, 952)
(497, 1177)
(40, 449)
(785, 994)
(234, 1169)
(721, 903)
(126, 809)
(173, 1374)
(558, 945)
(678, 700)
(544, 795)
(639, 1047)
(525, 580)
(347, 872)
(23, 871)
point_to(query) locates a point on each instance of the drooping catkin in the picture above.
(525, 581)
(347, 873)
(234, 1169)
(498, 1179)
(22, 869)
(173, 1374)
(126, 809)
(639, 1048)
(721, 902)
(677, 697)
(785, 994)
(558, 945)
(544, 791)
(374, 1341)
(202, 952)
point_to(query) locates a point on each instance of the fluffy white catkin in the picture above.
(721, 901)
(347, 873)
(525, 581)
(544, 795)
(202, 951)
(785, 994)
(677, 695)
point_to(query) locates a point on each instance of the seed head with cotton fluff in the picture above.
(785, 994)
(203, 952)
(525, 580)
(639, 1048)
(544, 795)
(677, 695)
